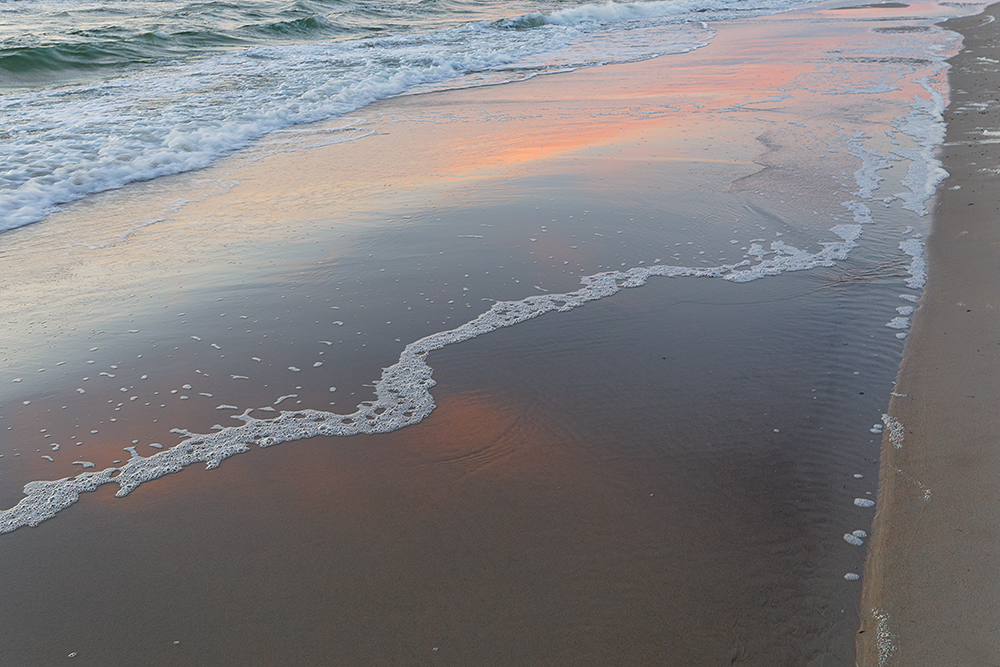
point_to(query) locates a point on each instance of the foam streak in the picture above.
(403, 392)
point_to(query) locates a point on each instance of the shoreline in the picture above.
(664, 476)
(931, 591)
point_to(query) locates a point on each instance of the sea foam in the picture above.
(71, 141)
(403, 392)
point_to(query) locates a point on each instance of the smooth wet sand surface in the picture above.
(661, 477)
(932, 592)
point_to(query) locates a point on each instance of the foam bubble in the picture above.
(896, 430)
(886, 640)
(926, 493)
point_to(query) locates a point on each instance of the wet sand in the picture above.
(661, 477)
(932, 594)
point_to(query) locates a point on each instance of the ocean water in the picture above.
(97, 94)
(612, 362)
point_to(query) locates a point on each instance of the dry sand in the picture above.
(932, 585)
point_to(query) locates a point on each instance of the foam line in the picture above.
(925, 125)
(403, 392)
(918, 266)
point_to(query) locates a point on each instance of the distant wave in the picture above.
(311, 27)
(108, 53)
(103, 52)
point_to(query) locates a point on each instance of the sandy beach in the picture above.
(665, 475)
(931, 590)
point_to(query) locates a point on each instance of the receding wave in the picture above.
(182, 114)
(179, 100)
